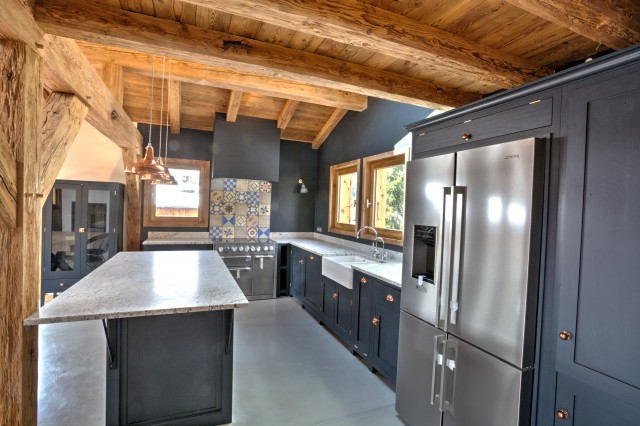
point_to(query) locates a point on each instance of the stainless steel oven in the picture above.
(252, 264)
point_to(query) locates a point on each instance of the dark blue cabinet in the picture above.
(81, 229)
(297, 258)
(335, 311)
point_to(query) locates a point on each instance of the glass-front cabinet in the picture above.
(82, 229)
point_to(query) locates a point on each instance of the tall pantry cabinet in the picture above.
(81, 229)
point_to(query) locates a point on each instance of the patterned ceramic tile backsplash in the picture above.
(240, 208)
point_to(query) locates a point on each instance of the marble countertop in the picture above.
(175, 238)
(389, 272)
(135, 284)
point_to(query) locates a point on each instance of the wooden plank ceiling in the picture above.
(305, 64)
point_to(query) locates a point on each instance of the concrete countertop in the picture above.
(177, 238)
(135, 284)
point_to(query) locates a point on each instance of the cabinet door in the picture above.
(599, 240)
(328, 307)
(61, 236)
(361, 314)
(343, 304)
(385, 327)
(98, 229)
(313, 283)
(297, 274)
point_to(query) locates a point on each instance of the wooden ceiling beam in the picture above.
(68, 71)
(63, 115)
(328, 127)
(175, 101)
(95, 22)
(112, 77)
(612, 23)
(288, 109)
(224, 78)
(362, 25)
(235, 97)
(298, 135)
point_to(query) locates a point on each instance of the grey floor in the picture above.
(288, 370)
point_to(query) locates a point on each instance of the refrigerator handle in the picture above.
(439, 272)
(448, 392)
(457, 250)
(437, 360)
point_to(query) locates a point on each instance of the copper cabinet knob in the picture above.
(61, 285)
(375, 321)
(565, 335)
(363, 280)
(311, 257)
(389, 298)
(467, 136)
(301, 261)
(562, 414)
(335, 296)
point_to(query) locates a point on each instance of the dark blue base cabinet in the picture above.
(170, 369)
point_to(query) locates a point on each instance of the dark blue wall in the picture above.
(292, 211)
(361, 134)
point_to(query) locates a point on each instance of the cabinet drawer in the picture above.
(58, 286)
(388, 298)
(527, 116)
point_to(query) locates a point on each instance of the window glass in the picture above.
(181, 200)
(347, 198)
(389, 197)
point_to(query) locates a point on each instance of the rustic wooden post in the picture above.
(21, 123)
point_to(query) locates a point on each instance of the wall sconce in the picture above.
(303, 188)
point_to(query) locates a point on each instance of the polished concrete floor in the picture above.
(288, 370)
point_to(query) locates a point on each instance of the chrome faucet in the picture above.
(378, 255)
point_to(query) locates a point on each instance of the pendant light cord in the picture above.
(161, 111)
(166, 138)
(153, 75)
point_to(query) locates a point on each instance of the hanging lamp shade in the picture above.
(148, 168)
(164, 178)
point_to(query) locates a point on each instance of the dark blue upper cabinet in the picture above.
(248, 148)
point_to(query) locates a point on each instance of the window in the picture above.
(343, 197)
(383, 194)
(184, 204)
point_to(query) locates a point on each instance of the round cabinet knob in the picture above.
(389, 298)
(467, 136)
(301, 261)
(335, 296)
(562, 414)
(565, 335)
(363, 280)
(375, 321)
(311, 257)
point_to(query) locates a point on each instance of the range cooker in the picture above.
(252, 262)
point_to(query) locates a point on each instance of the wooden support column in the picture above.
(132, 201)
(21, 121)
(63, 116)
(8, 184)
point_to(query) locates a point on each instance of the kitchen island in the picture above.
(168, 320)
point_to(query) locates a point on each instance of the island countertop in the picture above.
(135, 284)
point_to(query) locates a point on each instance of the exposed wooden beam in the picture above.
(8, 184)
(21, 120)
(175, 101)
(112, 77)
(225, 78)
(362, 25)
(288, 109)
(68, 71)
(328, 127)
(95, 22)
(298, 135)
(132, 201)
(235, 97)
(63, 116)
(612, 23)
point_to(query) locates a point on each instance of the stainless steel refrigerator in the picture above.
(469, 286)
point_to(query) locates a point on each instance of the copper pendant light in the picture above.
(166, 178)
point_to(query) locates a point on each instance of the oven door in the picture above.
(241, 269)
(264, 273)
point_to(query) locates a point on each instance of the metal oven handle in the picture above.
(262, 258)
(237, 270)
(236, 257)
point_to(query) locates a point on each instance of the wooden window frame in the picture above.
(151, 220)
(334, 172)
(385, 159)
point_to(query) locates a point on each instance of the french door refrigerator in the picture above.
(469, 286)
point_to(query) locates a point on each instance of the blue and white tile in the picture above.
(264, 209)
(263, 232)
(228, 232)
(217, 184)
(252, 232)
(228, 220)
(229, 184)
(228, 209)
(265, 186)
(216, 232)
